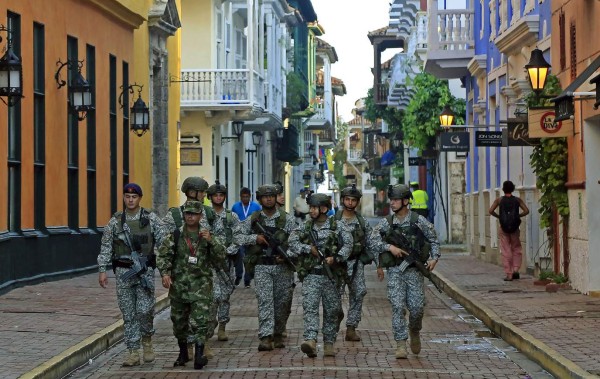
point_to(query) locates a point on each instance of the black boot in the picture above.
(183, 355)
(199, 359)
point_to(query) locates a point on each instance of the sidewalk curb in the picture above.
(533, 348)
(76, 356)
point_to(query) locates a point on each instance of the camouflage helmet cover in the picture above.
(351, 191)
(319, 200)
(399, 191)
(216, 188)
(194, 183)
(266, 190)
(192, 206)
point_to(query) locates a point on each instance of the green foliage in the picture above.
(549, 162)
(296, 92)
(546, 275)
(556, 278)
(339, 158)
(421, 122)
(381, 184)
(391, 115)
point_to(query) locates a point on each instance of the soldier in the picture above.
(224, 278)
(323, 249)
(134, 230)
(267, 232)
(185, 260)
(405, 285)
(280, 200)
(361, 254)
(194, 188)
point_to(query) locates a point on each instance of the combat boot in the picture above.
(133, 358)
(221, 333)
(415, 341)
(208, 353)
(401, 352)
(183, 355)
(199, 358)
(266, 344)
(328, 350)
(351, 334)
(278, 341)
(309, 348)
(148, 349)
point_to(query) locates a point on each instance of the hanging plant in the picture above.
(549, 162)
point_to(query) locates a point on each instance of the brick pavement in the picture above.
(40, 322)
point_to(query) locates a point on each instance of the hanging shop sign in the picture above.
(454, 141)
(490, 138)
(518, 133)
(543, 124)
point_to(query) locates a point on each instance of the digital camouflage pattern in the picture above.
(273, 282)
(223, 289)
(405, 289)
(316, 286)
(191, 292)
(135, 302)
(363, 250)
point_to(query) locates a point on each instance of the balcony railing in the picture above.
(380, 93)
(450, 29)
(355, 155)
(221, 87)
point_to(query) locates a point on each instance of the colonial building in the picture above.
(67, 149)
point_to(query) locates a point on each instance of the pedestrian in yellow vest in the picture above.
(419, 201)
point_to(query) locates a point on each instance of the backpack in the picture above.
(509, 214)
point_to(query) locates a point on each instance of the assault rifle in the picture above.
(140, 262)
(398, 239)
(274, 245)
(314, 238)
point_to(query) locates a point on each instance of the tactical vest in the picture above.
(419, 200)
(256, 253)
(141, 235)
(228, 225)
(308, 262)
(359, 236)
(177, 213)
(415, 236)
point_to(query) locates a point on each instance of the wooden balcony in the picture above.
(206, 90)
(450, 41)
(380, 93)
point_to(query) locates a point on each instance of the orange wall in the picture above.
(586, 14)
(92, 26)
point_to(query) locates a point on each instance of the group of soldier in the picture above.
(196, 246)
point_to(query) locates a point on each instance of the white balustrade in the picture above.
(450, 29)
(355, 154)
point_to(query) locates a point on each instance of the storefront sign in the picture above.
(518, 134)
(542, 124)
(489, 139)
(454, 141)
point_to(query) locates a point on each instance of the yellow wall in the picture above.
(115, 38)
(198, 34)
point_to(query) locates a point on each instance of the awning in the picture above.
(563, 103)
(387, 159)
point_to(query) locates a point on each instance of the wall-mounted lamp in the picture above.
(79, 90)
(278, 136)
(11, 73)
(256, 140)
(537, 68)
(139, 116)
(397, 140)
(447, 118)
(237, 130)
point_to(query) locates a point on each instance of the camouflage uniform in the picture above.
(363, 248)
(405, 289)
(224, 279)
(273, 280)
(316, 286)
(135, 302)
(191, 291)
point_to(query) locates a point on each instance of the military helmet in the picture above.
(266, 190)
(351, 191)
(194, 183)
(279, 187)
(216, 188)
(319, 200)
(399, 191)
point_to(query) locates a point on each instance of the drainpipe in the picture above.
(555, 241)
(566, 253)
